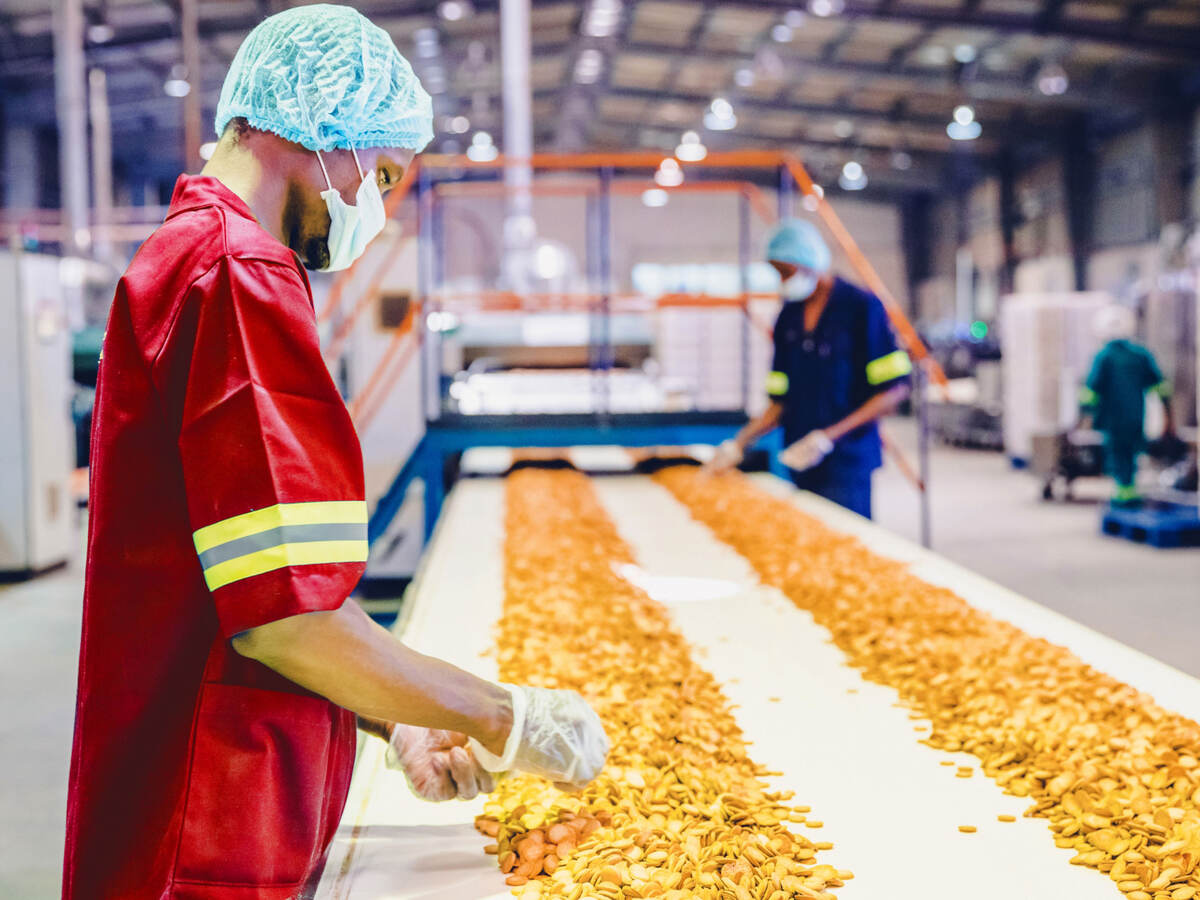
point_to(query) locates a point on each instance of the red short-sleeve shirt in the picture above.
(226, 492)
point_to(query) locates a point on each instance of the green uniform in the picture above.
(1122, 373)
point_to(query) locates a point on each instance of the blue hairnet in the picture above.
(326, 77)
(799, 242)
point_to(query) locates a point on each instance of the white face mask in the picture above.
(351, 228)
(800, 286)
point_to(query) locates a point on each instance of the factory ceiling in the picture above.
(877, 81)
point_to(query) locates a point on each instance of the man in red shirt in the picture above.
(220, 667)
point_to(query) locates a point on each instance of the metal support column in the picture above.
(744, 288)
(921, 396)
(1008, 221)
(604, 271)
(102, 181)
(520, 230)
(71, 106)
(189, 33)
(787, 193)
(1080, 176)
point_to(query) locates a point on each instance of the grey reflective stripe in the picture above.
(285, 534)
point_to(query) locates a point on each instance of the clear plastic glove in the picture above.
(438, 764)
(555, 735)
(807, 452)
(728, 455)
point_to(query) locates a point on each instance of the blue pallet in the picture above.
(1157, 526)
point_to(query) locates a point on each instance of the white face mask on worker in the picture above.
(800, 286)
(352, 228)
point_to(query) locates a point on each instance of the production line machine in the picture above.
(889, 804)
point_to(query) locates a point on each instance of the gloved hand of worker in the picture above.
(438, 764)
(728, 455)
(555, 735)
(807, 452)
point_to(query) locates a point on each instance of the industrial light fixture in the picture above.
(482, 148)
(690, 149)
(853, 178)
(964, 127)
(176, 87)
(781, 33)
(655, 197)
(100, 34)
(459, 125)
(602, 18)
(669, 173)
(720, 116)
(901, 160)
(589, 66)
(207, 150)
(454, 10)
(826, 8)
(794, 18)
(935, 55)
(843, 128)
(965, 53)
(812, 202)
(744, 77)
(1052, 80)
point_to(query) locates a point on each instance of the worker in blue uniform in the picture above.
(1115, 398)
(837, 370)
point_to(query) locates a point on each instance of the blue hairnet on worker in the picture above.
(836, 371)
(222, 669)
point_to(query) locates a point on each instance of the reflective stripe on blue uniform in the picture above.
(822, 376)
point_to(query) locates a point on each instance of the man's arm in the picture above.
(760, 425)
(349, 659)
(882, 404)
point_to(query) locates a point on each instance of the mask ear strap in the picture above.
(362, 176)
(322, 162)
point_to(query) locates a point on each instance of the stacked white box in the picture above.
(1049, 341)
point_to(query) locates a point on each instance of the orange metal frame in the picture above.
(364, 406)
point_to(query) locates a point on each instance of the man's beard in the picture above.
(310, 246)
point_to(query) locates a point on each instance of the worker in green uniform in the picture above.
(1115, 398)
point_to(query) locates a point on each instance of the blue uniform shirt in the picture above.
(823, 376)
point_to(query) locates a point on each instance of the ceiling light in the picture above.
(964, 115)
(207, 150)
(655, 197)
(100, 34)
(901, 161)
(669, 174)
(781, 34)
(690, 149)
(482, 149)
(961, 132)
(1052, 80)
(720, 116)
(794, 18)
(602, 18)
(826, 8)
(454, 10)
(853, 178)
(589, 66)
(177, 87)
(843, 128)
(459, 125)
(425, 41)
(965, 53)
(744, 78)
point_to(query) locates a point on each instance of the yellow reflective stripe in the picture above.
(321, 512)
(1087, 397)
(310, 553)
(894, 365)
(777, 383)
(1163, 389)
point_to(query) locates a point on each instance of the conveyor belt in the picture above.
(890, 808)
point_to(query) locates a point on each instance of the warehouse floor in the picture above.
(985, 516)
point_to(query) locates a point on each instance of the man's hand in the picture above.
(807, 452)
(728, 455)
(438, 764)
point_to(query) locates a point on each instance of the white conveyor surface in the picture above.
(888, 806)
